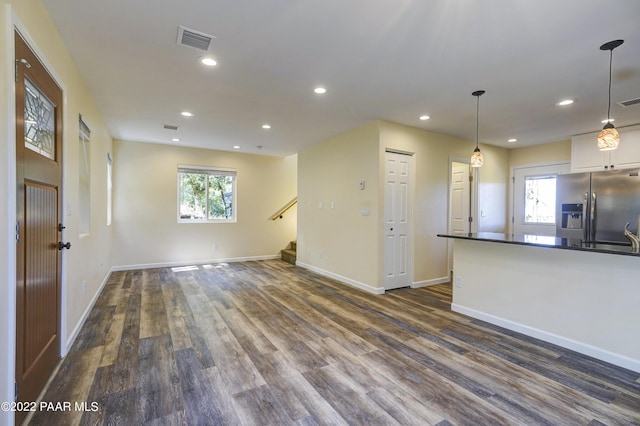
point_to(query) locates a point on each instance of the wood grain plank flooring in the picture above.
(268, 343)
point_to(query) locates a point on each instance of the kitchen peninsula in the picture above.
(582, 297)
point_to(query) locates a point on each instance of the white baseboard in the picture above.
(193, 262)
(85, 314)
(427, 283)
(344, 280)
(595, 352)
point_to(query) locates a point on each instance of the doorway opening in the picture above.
(461, 202)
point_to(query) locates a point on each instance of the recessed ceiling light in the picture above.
(236, 147)
(565, 102)
(320, 90)
(512, 140)
(209, 61)
(175, 140)
(266, 126)
(186, 114)
(424, 117)
(607, 120)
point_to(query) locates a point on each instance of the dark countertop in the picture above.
(545, 241)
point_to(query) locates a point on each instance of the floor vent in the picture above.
(170, 127)
(629, 102)
(195, 39)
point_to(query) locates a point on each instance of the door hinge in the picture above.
(470, 219)
(17, 231)
(470, 178)
(15, 390)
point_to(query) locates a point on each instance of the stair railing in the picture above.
(284, 209)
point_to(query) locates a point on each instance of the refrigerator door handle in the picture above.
(593, 218)
(585, 221)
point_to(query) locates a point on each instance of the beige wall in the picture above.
(146, 231)
(540, 154)
(433, 153)
(339, 240)
(87, 264)
(344, 243)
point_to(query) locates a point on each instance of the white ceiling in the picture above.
(379, 60)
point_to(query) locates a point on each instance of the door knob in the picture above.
(62, 245)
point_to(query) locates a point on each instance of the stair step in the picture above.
(293, 245)
(288, 256)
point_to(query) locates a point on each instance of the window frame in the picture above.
(539, 177)
(209, 171)
(516, 208)
(109, 189)
(84, 178)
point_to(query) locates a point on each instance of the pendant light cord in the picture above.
(478, 117)
(609, 106)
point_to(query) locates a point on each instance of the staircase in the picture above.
(289, 254)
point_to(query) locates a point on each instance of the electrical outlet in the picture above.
(458, 282)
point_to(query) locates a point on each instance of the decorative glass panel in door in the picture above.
(39, 122)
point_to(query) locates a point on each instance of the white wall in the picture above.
(591, 307)
(89, 259)
(146, 231)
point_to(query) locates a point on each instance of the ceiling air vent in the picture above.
(629, 102)
(192, 38)
(170, 127)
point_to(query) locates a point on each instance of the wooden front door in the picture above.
(39, 194)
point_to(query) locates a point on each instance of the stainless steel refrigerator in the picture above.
(594, 207)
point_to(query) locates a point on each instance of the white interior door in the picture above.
(398, 196)
(460, 200)
(460, 204)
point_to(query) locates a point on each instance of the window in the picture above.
(109, 188)
(84, 178)
(206, 194)
(540, 199)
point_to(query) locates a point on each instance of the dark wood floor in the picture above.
(268, 343)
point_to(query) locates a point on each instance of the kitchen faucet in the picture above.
(635, 239)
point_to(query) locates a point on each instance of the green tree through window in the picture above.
(540, 199)
(206, 194)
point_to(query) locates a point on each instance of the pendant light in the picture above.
(608, 139)
(476, 159)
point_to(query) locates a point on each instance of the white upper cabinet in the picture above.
(585, 156)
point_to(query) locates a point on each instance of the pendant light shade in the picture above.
(609, 139)
(477, 160)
